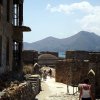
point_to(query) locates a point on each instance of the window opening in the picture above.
(0, 50)
(7, 53)
(8, 10)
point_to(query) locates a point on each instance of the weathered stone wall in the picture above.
(22, 91)
(11, 32)
(81, 55)
(94, 58)
(62, 74)
(97, 79)
(6, 31)
(71, 72)
(29, 56)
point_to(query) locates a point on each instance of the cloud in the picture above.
(85, 6)
(90, 20)
(91, 23)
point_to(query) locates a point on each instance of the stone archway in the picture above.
(91, 76)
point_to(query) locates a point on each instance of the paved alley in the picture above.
(52, 90)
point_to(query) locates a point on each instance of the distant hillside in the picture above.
(80, 41)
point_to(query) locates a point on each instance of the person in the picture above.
(50, 73)
(44, 75)
(86, 91)
(36, 68)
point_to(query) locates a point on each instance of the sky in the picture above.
(60, 18)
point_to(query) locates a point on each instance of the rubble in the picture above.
(22, 91)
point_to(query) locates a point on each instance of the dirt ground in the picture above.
(52, 90)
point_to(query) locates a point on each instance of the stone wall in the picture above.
(29, 56)
(22, 91)
(81, 55)
(6, 31)
(11, 31)
(94, 58)
(73, 70)
(97, 79)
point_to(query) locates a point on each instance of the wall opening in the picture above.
(8, 10)
(0, 50)
(17, 14)
(7, 52)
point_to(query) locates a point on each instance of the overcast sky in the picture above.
(60, 18)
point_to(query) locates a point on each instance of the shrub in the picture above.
(28, 69)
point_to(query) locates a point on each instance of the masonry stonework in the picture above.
(11, 35)
(29, 56)
(74, 69)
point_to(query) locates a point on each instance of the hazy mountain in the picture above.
(81, 41)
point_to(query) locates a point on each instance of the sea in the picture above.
(62, 54)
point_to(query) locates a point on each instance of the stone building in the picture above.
(11, 34)
(47, 59)
(48, 52)
(29, 56)
(74, 69)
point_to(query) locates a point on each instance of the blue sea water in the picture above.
(62, 54)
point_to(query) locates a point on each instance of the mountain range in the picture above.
(83, 40)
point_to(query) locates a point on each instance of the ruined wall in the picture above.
(17, 90)
(94, 58)
(62, 72)
(81, 55)
(11, 32)
(6, 31)
(71, 72)
(29, 56)
(97, 79)
(22, 91)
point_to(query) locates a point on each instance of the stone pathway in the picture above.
(52, 90)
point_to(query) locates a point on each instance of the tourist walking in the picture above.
(50, 73)
(44, 75)
(85, 91)
(36, 68)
